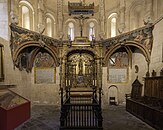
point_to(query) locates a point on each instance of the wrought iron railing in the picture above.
(81, 112)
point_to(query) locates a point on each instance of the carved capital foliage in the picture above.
(25, 44)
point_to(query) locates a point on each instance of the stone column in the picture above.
(63, 74)
(99, 72)
(122, 17)
(41, 8)
(60, 17)
(102, 18)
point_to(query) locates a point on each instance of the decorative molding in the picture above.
(141, 38)
(139, 35)
(21, 39)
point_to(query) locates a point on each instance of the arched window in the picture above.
(91, 31)
(26, 13)
(71, 31)
(49, 27)
(25, 17)
(113, 27)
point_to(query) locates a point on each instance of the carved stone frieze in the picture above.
(141, 36)
(25, 44)
(20, 35)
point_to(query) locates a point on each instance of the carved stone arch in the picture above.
(75, 49)
(36, 44)
(27, 3)
(135, 3)
(48, 14)
(143, 49)
(33, 55)
(112, 14)
(92, 20)
(68, 21)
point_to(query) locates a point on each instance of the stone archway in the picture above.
(26, 44)
(29, 50)
(128, 44)
(113, 94)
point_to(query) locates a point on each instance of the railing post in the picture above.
(100, 122)
(67, 92)
(100, 89)
(61, 97)
(62, 118)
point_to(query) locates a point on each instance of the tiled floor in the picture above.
(115, 118)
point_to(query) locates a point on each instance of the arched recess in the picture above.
(113, 92)
(37, 47)
(136, 14)
(159, 8)
(28, 7)
(129, 44)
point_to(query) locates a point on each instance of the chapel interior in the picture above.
(81, 64)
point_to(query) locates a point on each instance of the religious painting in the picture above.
(45, 71)
(118, 68)
(44, 60)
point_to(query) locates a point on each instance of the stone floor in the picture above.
(115, 118)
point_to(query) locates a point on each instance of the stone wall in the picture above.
(157, 51)
(4, 19)
(139, 60)
(25, 86)
(122, 88)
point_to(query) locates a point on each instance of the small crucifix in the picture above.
(81, 19)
